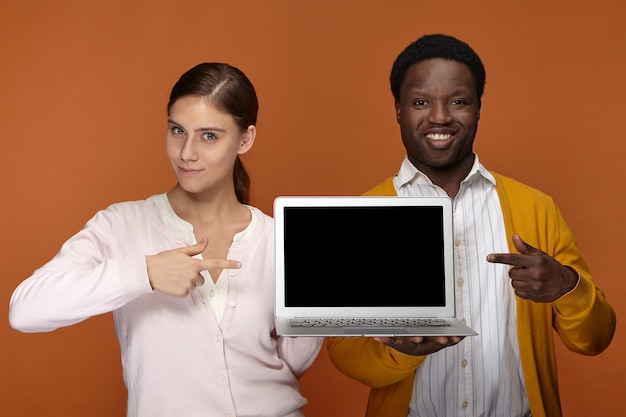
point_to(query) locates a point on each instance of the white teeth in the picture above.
(438, 136)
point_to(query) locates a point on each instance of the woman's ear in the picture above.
(247, 139)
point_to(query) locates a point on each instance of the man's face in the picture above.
(438, 115)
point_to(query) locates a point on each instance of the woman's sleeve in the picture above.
(78, 283)
(299, 353)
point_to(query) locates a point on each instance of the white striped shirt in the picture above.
(482, 375)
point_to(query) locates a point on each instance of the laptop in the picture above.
(365, 266)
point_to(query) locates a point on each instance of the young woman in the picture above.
(188, 274)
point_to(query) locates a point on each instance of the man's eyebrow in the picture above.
(462, 90)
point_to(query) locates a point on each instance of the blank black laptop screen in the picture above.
(364, 256)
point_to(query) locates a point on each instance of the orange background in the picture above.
(83, 90)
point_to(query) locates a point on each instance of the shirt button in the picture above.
(457, 242)
(460, 282)
(211, 293)
(224, 377)
(464, 404)
(218, 338)
(464, 363)
(233, 303)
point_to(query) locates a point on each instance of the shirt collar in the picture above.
(409, 174)
(170, 219)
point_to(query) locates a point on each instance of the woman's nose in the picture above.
(188, 151)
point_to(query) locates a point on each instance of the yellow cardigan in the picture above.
(583, 318)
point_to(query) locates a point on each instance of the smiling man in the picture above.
(519, 273)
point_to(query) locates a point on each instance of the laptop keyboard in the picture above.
(329, 322)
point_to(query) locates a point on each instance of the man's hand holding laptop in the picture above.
(419, 345)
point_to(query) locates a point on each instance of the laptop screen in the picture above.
(344, 254)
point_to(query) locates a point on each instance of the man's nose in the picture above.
(439, 113)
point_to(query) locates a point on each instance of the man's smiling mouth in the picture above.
(438, 136)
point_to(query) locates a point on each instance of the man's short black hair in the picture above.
(437, 46)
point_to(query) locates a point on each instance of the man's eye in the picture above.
(420, 102)
(177, 131)
(209, 136)
(458, 102)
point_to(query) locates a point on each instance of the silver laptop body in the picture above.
(365, 266)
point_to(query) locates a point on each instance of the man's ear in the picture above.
(247, 139)
(397, 105)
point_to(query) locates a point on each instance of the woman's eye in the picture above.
(177, 131)
(209, 136)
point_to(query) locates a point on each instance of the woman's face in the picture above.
(202, 144)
